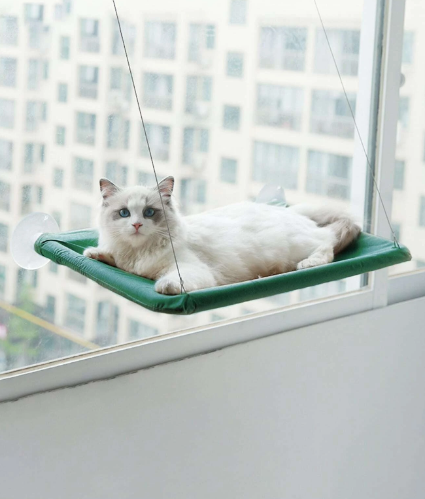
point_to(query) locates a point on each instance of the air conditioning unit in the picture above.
(201, 109)
(199, 160)
(117, 102)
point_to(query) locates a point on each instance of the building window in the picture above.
(328, 174)
(228, 170)
(58, 217)
(8, 72)
(397, 230)
(116, 173)
(147, 179)
(80, 216)
(64, 47)
(282, 47)
(276, 164)
(62, 92)
(231, 117)
(192, 192)
(234, 65)
(60, 135)
(36, 113)
(129, 34)
(107, 323)
(33, 12)
(86, 128)
(4, 232)
(198, 95)
(158, 91)
(50, 309)
(121, 81)
(408, 47)
(34, 74)
(58, 174)
(160, 40)
(2, 281)
(422, 212)
(118, 132)
(345, 47)
(4, 196)
(88, 80)
(280, 106)
(330, 114)
(7, 113)
(201, 42)
(399, 175)
(238, 11)
(8, 30)
(403, 112)
(53, 267)
(159, 141)
(138, 330)
(34, 155)
(6, 154)
(31, 198)
(89, 35)
(83, 174)
(75, 313)
(195, 147)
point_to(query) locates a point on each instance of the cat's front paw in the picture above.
(101, 256)
(168, 286)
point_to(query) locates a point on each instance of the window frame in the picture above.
(380, 18)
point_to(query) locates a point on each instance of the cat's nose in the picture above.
(136, 226)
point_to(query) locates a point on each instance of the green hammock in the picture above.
(367, 253)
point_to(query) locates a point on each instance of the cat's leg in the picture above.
(322, 255)
(100, 254)
(195, 276)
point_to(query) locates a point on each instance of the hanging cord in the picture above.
(357, 129)
(149, 147)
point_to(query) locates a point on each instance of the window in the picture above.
(129, 34)
(33, 12)
(231, 117)
(330, 114)
(7, 72)
(328, 174)
(75, 313)
(116, 173)
(31, 198)
(50, 309)
(118, 131)
(121, 85)
(34, 74)
(2, 281)
(62, 92)
(4, 196)
(399, 175)
(34, 155)
(58, 174)
(7, 113)
(89, 35)
(234, 65)
(160, 40)
(408, 47)
(64, 47)
(238, 11)
(195, 147)
(4, 232)
(276, 164)
(201, 42)
(83, 174)
(158, 91)
(6, 154)
(280, 106)
(80, 216)
(422, 211)
(138, 330)
(193, 192)
(86, 128)
(107, 323)
(8, 30)
(60, 135)
(36, 114)
(403, 112)
(88, 79)
(58, 217)
(148, 179)
(159, 141)
(228, 170)
(345, 46)
(198, 94)
(282, 47)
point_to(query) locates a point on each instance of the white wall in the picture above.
(333, 411)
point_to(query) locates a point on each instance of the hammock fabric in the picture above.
(366, 254)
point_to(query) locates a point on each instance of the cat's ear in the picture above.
(107, 188)
(166, 187)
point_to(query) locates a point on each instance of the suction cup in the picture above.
(271, 194)
(26, 233)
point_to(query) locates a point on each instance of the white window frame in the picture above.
(380, 292)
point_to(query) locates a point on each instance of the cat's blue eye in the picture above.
(124, 213)
(150, 212)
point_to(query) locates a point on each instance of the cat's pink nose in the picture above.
(136, 226)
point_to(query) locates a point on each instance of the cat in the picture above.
(234, 243)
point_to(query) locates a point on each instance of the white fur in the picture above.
(230, 244)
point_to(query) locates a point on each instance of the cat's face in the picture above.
(133, 215)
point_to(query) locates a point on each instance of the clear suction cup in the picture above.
(271, 194)
(26, 233)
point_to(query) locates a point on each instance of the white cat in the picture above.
(231, 244)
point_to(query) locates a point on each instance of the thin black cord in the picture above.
(357, 128)
(149, 147)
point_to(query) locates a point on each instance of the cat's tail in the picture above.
(340, 222)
